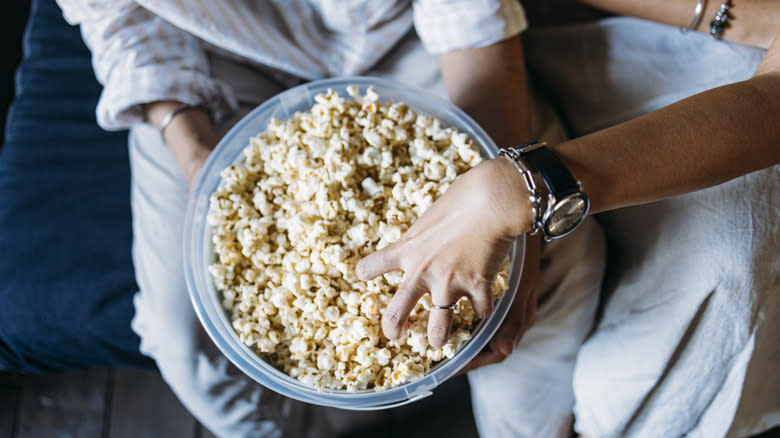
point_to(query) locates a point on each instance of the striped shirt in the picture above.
(147, 50)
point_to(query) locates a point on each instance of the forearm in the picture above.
(139, 58)
(698, 142)
(489, 83)
(753, 23)
(190, 135)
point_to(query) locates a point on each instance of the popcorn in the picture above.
(312, 196)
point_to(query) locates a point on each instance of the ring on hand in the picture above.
(450, 307)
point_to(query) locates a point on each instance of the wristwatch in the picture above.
(558, 202)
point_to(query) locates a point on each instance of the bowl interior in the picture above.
(199, 250)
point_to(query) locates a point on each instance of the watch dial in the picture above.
(567, 214)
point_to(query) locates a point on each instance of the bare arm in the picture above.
(698, 142)
(191, 135)
(143, 82)
(753, 23)
(490, 84)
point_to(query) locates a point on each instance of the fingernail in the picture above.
(360, 270)
(505, 345)
(439, 337)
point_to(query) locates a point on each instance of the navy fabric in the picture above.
(66, 277)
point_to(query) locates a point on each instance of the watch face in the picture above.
(567, 214)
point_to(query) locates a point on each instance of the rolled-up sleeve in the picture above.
(138, 58)
(446, 25)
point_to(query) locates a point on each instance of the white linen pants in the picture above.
(232, 405)
(686, 342)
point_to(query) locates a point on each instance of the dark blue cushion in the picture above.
(66, 277)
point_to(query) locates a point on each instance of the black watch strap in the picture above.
(554, 173)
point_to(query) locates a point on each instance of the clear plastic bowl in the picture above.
(199, 249)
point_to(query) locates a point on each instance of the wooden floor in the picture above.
(113, 403)
(124, 403)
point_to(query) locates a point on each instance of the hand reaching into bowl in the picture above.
(455, 249)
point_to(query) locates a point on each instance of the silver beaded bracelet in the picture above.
(171, 115)
(719, 23)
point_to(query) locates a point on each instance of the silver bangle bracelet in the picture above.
(696, 15)
(171, 115)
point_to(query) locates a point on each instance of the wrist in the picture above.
(190, 135)
(515, 212)
(191, 160)
(155, 112)
(559, 202)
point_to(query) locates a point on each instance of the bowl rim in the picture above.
(215, 320)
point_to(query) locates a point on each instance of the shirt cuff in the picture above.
(120, 104)
(446, 25)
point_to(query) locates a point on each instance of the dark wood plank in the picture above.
(10, 392)
(9, 400)
(445, 413)
(66, 404)
(143, 406)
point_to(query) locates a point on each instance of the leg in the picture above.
(219, 395)
(529, 394)
(687, 342)
(214, 391)
(539, 372)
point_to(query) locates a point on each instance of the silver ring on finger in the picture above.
(451, 307)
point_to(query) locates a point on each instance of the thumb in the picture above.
(512, 328)
(523, 310)
(507, 337)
